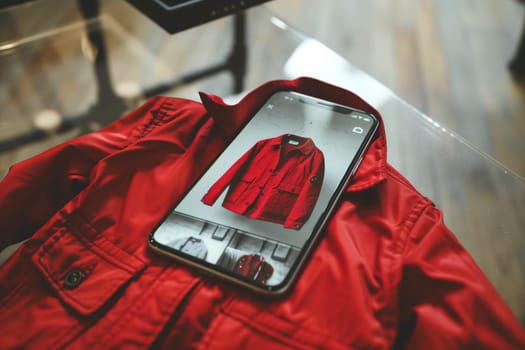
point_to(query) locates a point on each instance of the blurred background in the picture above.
(447, 58)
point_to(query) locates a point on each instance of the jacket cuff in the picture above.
(207, 199)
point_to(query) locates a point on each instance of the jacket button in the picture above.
(73, 279)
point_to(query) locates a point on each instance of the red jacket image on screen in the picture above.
(277, 180)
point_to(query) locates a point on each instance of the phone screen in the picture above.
(256, 211)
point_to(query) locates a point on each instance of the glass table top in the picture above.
(56, 84)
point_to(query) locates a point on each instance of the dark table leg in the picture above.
(517, 65)
(238, 58)
(235, 63)
(108, 105)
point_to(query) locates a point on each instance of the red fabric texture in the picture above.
(386, 274)
(273, 181)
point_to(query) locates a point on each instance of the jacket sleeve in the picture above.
(224, 181)
(308, 195)
(445, 300)
(34, 189)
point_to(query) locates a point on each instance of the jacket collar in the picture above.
(306, 145)
(231, 118)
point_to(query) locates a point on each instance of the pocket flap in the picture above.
(289, 188)
(84, 274)
(248, 178)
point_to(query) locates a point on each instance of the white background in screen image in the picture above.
(333, 133)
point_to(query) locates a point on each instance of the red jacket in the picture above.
(273, 181)
(387, 273)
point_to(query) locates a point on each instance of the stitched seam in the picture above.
(135, 310)
(398, 247)
(275, 334)
(142, 130)
(168, 311)
(230, 309)
(70, 296)
(156, 118)
(145, 128)
(103, 342)
(66, 296)
(46, 247)
(92, 340)
(99, 250)
(4, 301)
(410, 222)
(116, 283)
(151, 124)
(67, 333)
(377, 177)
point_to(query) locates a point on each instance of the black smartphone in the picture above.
(255, 215)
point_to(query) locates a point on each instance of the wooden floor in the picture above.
(448, 58)
(445, 57)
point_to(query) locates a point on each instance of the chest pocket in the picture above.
(289, 189)
(240, 190)
(288, 193)
(74, 277)
(283, 200)
(84, 274)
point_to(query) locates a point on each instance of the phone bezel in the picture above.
(216, 272)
